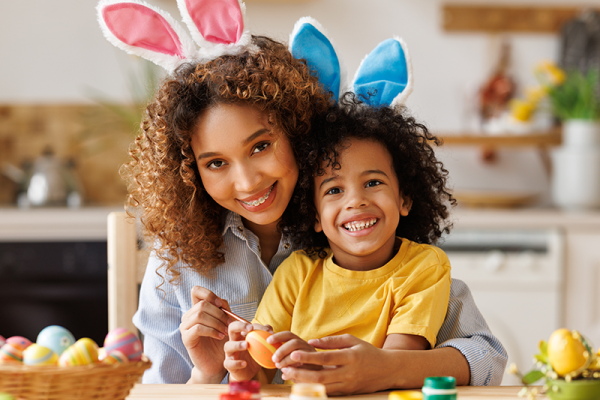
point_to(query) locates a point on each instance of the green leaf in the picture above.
(542, 358)
(532, 376)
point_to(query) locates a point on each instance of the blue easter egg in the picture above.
(56, 338)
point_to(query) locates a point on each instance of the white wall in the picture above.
(53, 51)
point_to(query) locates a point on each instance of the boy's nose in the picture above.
(356, 199)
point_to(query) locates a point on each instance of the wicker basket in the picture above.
(97, 381)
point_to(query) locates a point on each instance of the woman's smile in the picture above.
(261, 201)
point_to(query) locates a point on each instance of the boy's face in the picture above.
(359, 206)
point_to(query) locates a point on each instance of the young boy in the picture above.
(368, 270)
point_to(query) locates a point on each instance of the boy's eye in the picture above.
(215, 164)
(333, 191)
(261, 147)
(373, 183)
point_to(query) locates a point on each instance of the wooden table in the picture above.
(211, 392)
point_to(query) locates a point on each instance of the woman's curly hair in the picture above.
(421, 177)
(164, 185)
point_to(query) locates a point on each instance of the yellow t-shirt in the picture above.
(314, 297)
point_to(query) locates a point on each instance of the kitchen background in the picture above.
(57, 68)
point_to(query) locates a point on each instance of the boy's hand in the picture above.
(238, 362)
(290, 345)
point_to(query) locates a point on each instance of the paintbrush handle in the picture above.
(232, 315)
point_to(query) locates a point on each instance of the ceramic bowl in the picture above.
(587, 389)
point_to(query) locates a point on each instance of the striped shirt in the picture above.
(242, 280)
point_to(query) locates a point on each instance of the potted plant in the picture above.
(568, 365)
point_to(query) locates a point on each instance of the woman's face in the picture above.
(246, 165)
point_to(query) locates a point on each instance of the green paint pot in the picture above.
(585, 389)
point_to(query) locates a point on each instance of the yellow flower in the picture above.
(535, 94)
(521, 110)
(513, 369)
(550, 73)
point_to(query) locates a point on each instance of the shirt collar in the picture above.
(231, 221)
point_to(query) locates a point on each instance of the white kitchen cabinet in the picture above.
(582, 282)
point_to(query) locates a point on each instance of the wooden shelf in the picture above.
(541, 139)
(509, 18)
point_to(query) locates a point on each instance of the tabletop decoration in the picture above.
(34, 371)
(569, 366)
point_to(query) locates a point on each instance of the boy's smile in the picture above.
(359, 206)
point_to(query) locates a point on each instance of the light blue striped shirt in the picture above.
(242, 280)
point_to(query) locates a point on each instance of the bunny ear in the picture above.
(385, 77)
(146, 31)
(217, 26)
(309, 41)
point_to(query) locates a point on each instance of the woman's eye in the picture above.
(261, 147)
(215, 164)
(373, 183)
(333, 191)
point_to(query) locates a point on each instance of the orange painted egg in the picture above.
(260, 350)
(115, 357)
(11, 354)
(82, 352)
(39, 355)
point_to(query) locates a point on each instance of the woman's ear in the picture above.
(405, 206)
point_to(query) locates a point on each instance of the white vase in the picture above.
(576, 166)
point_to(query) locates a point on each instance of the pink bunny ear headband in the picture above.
(384, 77)
(216, 26)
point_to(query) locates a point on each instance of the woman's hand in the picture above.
(357, 367)
(238, 362)
(204, 332)
(290, 344)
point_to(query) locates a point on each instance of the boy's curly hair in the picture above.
(164, 185)
(421, 177)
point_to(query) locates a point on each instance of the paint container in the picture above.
(439, 388)
(308, 391)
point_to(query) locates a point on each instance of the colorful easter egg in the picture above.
(115, 357)
(56, 338)
(39, 355)
(19, 341)
(11, 354)
(2, 340)
(260, 350)
(125, 341)
(82, 352)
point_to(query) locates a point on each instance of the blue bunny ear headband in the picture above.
(384, 77)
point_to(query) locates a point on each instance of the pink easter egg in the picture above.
(2, 340)
(19, 341)
(11, 354)
(125, 341)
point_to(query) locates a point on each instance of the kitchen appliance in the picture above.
(516, 280)
(53, 271)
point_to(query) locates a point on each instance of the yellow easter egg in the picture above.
(39, 355)
(260, 350)
(82, 352)
(567, 352)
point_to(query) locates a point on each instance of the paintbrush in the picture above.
(232, 315)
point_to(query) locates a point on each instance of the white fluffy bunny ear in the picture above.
(309, 41)
(146, 31)
(385, 76)
(217, 26)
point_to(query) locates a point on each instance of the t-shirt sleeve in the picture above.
(277, 305)
(422, 300)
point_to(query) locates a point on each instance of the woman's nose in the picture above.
(247, 178)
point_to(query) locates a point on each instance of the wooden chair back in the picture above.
(126, 266)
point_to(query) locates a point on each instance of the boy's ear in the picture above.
(405, 206)
(318, 227)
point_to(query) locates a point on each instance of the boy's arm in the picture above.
(401, 341)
